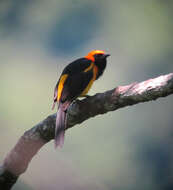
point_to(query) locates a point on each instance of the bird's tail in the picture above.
(60, 124)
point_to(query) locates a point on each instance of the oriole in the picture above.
(75, 81)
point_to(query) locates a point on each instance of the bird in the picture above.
(75, 81)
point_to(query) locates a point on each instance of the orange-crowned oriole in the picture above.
(75, 81)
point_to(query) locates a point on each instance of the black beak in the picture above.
(106, 55)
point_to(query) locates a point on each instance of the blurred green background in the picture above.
(128, 149)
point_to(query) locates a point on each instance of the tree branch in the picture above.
(16, 162)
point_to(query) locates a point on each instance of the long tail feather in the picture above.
(60, 127)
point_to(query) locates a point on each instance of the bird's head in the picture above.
(97, 56)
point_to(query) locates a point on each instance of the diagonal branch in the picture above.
(16, 162)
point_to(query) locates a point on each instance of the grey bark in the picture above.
(17, 160)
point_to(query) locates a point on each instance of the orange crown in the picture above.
(91, 54)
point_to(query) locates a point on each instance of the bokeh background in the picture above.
(128, 149)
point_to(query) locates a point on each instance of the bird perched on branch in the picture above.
(75, 81)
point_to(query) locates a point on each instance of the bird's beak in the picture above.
(106, 55)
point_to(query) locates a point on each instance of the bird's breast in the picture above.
(95, 71)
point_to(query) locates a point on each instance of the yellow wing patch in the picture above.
(61, 85)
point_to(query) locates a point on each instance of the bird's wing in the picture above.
(73, 80)
(74, 85)
(77, 66)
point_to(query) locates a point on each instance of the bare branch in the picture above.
(16, 162)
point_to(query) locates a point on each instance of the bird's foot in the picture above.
(85, 96)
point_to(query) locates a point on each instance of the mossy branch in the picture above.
(16, 162)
